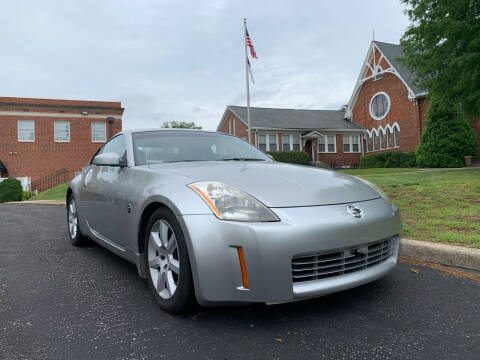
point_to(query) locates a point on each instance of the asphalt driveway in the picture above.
(57, 301)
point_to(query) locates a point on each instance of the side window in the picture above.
(116, 145)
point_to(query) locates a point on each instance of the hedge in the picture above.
(292, 157)
(389, 159)
(10, 190)
(447, 138)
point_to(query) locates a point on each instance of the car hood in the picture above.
(276, 184)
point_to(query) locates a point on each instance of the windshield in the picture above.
(152, 147)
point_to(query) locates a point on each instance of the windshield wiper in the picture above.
(242, 159)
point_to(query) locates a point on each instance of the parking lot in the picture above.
(57, 301)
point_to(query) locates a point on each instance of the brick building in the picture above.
(42, 137)
(386, 110)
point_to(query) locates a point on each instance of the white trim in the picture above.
(54, 137)
(18, 130)
(361, 79)
(46, 114)
(91, 131)
(370, 106)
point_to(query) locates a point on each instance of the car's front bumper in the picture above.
(269, 248)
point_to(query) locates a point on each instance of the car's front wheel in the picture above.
(169, 274)
(76, 237)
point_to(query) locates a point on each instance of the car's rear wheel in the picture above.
(168, 266)
(76, 237)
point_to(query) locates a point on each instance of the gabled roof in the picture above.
(270, 118)
(390, 53)
(393, 51)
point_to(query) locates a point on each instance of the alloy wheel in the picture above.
(72, 219)
(163, 259)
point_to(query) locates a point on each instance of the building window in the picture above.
(26, 130)
(99, 132)
(367, 142)
(61, 131)
(262, 142)
(296, 142)
(381, 139)
(374, 142)
(285, 142)
(379, 106)
(351, 143)
(272, 140)
(327, 144)
(395, 137)
(389, 142)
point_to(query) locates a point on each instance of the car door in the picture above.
(105, 205)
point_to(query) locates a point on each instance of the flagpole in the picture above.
(246, 78)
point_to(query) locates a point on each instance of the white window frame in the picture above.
(276, 141)
(396, 141)
(267, 139)
(381, 145)
(370, 106)
(350, 143)
(289, 142)
(387, 136)
(105, 131)
(54, 131)
(325, 137)
(18, 130)
(299, 141)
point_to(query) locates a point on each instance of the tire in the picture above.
(75, 235)
(169, 274)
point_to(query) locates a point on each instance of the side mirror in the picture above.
(107, 159)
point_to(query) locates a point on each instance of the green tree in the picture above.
(447, 137)
(442, 47)
(181, 125)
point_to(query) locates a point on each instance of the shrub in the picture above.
(10, 190)
(447, 138)
(292, 157)
(388, 159)
(26, 195)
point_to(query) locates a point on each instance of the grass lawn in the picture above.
(438, 206)
(56, 193)
(361, 172)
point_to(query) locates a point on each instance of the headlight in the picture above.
(374, 187)
(229, 203)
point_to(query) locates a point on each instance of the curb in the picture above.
(39, 202)
(443, 254)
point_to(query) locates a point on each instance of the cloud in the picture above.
(183, 60)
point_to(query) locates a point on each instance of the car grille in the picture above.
(314, 266)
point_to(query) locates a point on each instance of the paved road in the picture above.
(57, 301)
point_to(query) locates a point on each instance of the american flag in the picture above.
(248, 42)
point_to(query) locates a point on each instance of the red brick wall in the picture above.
(402, 111)
(44, 156)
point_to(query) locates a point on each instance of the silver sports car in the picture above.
(208, 218)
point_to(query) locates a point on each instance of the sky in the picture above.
(184, 60)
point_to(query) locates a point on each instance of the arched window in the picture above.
(395, 137)
(367, 142)
(374, 141)
(381, 139)
(389, 142)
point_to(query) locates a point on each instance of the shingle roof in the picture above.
(393, 51)
(294, 119)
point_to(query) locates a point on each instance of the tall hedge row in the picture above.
(389, 159)
(292, 157)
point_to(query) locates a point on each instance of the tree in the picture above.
(442, 47)
(181, 125)
(447, 137)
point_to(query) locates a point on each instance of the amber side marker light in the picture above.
(243, 267)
